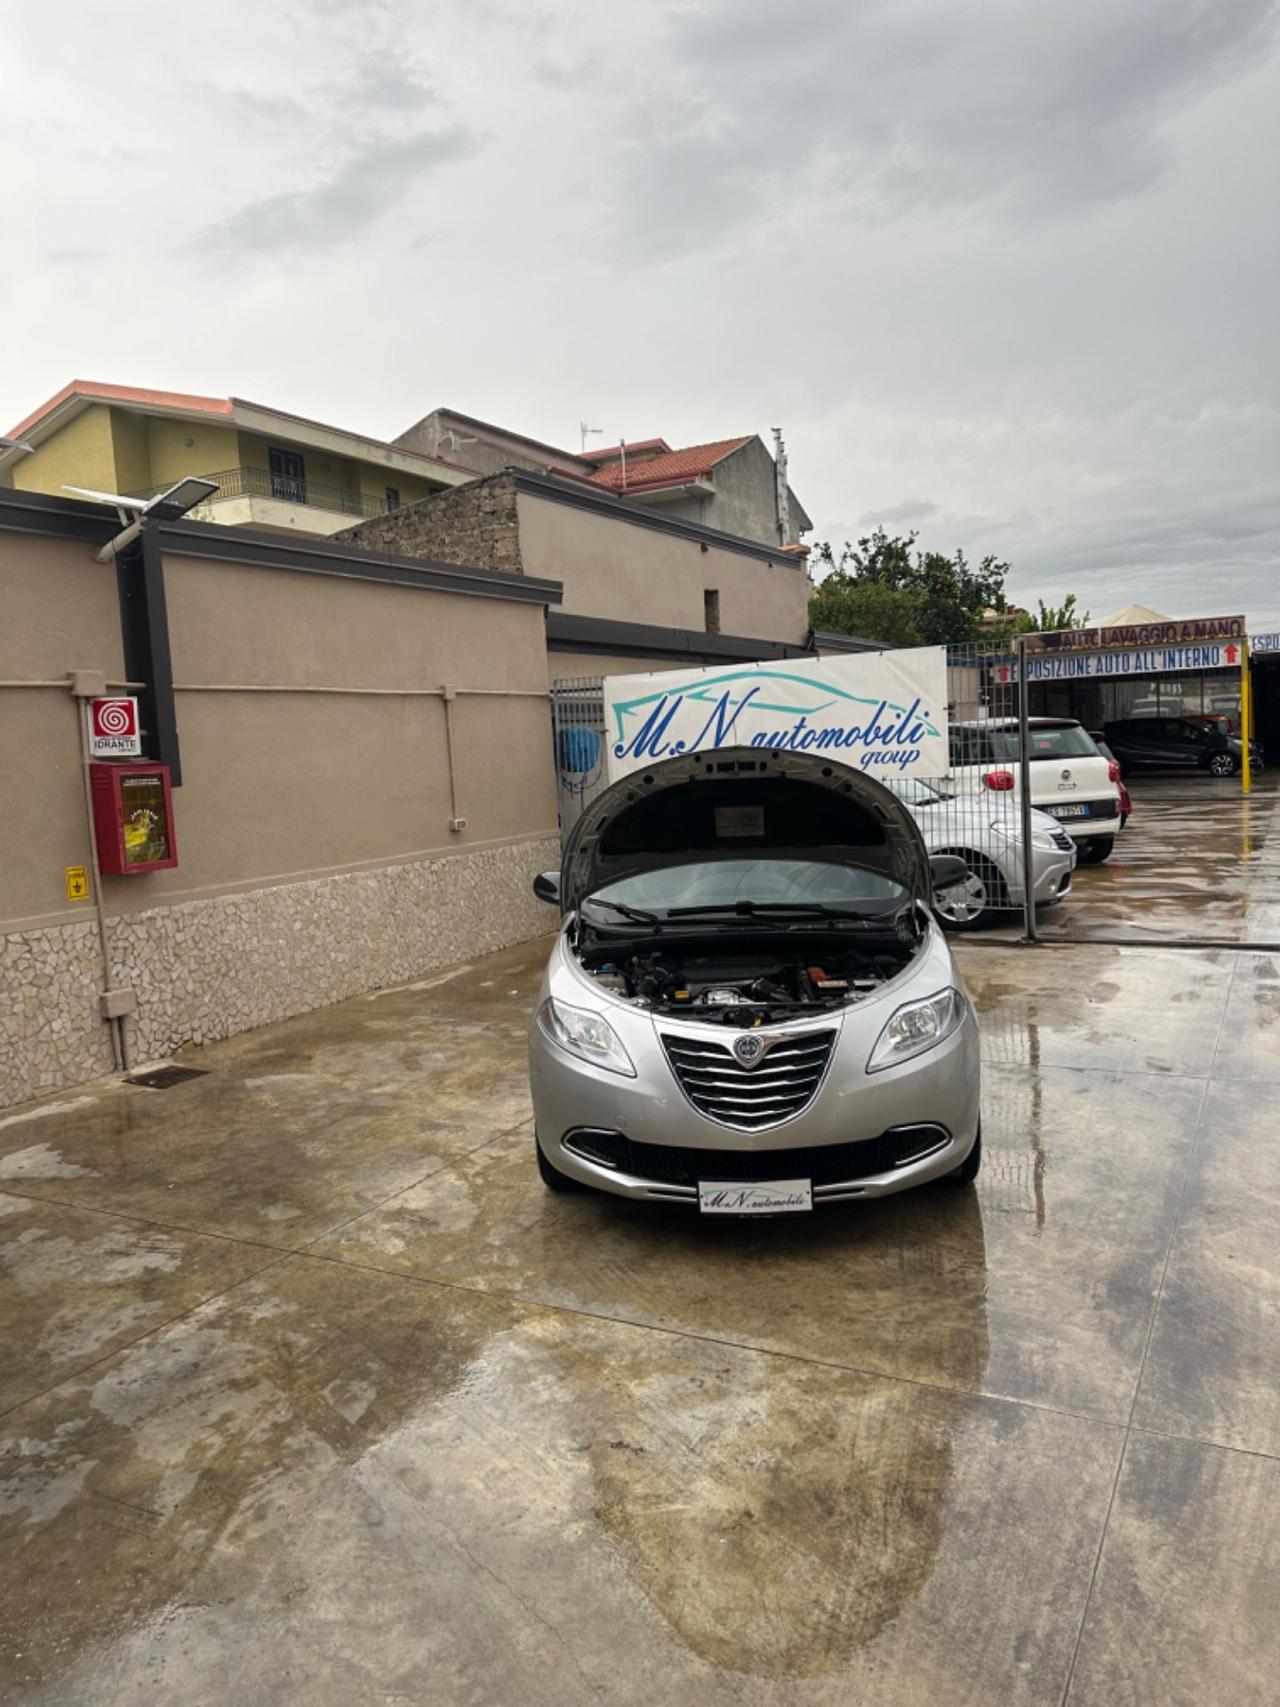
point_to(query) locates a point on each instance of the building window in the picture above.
(393, 498)
(711, 610)
(288, 475)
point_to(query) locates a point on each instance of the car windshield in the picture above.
(764, 883)
(1060, 741)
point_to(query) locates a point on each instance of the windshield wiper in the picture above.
(753, 909)
(633, 913)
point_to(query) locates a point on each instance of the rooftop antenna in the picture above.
(782, 494)
(456, 439)
(622, 446)
(586, 431)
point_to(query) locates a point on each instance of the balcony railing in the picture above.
(286, 489)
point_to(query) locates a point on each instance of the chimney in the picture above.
(781, 495)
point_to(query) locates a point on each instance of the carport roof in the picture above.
(1132, 615)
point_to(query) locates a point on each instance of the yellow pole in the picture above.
(1246, 720)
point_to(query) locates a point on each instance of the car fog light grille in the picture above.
(778, 1087)
(823, 1164)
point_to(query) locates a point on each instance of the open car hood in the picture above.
(742, 800)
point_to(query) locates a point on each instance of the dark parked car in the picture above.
(1175, 743)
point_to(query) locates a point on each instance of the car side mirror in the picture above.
(946, 871)
(546, 886)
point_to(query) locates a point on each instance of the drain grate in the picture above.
(163, 1078)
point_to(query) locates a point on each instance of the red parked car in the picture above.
(1126, 804)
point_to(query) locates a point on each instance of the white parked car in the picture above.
(987, 836)
(1070, 779)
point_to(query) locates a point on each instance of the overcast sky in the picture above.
(1005, 271)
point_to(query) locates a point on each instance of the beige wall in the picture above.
(312, 826)
(60, 613)
(287, 784)
(638, 574)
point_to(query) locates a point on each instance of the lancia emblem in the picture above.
(748, 1049)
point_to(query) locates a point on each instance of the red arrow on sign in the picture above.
(1233, 652)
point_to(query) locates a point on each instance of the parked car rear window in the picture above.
(1069, 741)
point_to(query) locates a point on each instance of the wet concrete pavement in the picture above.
(312, 1394)
(1197, 859)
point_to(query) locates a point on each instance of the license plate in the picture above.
(766, 1197)
(1067, 811)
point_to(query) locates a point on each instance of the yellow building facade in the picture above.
(273, 470)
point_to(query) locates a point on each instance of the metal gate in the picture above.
(578, 735)
(980, 810)
(984, 818)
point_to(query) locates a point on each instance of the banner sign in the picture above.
(114, 732)
(1264, 643)
(880, 712)
(1139, 634)
(1100, 666)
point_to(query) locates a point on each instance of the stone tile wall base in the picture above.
(209, 968)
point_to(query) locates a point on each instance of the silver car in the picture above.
(749, 1007)
(987, 835)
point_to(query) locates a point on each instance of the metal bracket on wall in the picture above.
(448, 694)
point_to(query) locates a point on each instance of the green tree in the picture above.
(939, 599)
(847, 605)
(1046, 618)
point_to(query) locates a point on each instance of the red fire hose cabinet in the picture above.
(133, 818)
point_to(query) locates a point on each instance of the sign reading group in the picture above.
(880, 712)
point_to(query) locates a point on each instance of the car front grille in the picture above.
(822, 1164)
(749, 1097)
(1061, 839)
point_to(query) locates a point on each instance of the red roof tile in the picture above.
(123, 394)
(671, 468)
(640, 447)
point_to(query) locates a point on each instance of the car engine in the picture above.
(748, 989)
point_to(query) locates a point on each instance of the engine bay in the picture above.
(768, 979)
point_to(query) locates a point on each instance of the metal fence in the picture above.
(578, 733)
(288, 489)
(976, 811)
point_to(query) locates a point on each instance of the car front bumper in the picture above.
(1051, 870)
(851, 1108)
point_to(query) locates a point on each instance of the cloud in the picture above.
(330, 213)
(907, 514)
(885, 108)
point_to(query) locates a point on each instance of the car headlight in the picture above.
(917, 1027)
(588, 1036)
(1013, 833)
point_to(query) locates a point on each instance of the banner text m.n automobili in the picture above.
(880, 712)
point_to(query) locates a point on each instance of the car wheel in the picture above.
(967, 1172)
(1095, 849)
(969, 905)
(1222, 764)
(552, 1178)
